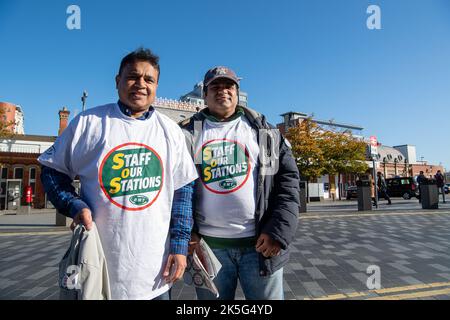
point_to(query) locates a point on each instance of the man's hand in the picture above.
(174, 270)
(194, 246)
(267, 246)
(195, 240)
(84, 217)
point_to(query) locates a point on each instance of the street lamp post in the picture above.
(395, 167)
(83, 99)
(406, 168)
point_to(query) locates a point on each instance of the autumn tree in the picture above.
(306, 149)
(5, 130)
(343, 154)
(319, 151)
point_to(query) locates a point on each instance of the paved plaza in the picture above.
(334, 253)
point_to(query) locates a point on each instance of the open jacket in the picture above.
(277, 196)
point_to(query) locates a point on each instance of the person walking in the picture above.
(440, 182)
(382, 187)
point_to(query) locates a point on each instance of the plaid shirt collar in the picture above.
(127, 111)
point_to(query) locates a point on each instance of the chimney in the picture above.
(63, 119)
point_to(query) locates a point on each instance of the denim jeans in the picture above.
(442, 190)
(242, 264)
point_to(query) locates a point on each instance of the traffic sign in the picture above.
(373, 146)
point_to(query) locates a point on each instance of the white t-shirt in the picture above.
(128, 170)
(229, 157)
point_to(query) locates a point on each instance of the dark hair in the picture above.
(140, 54)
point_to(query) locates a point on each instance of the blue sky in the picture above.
(312, 56)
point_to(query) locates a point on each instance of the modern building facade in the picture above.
(397, 161)
(293, 119)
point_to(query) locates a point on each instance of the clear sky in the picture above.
(312, 56)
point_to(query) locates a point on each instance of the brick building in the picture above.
(18, 154)
(20, 168)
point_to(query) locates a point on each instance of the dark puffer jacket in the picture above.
(277, 197)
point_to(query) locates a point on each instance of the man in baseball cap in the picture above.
(220, 73)
(245, 211)
(221, 92)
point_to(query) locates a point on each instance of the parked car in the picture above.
(402, 187)
(447, 188)
(352, 192)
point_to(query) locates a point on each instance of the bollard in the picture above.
(302, 192)
(61, 220)
(364, 195)
(429, 194)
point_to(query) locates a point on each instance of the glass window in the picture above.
(4, 173)
(33, 174)
(18, 173)
(33, 180)
(395, 182)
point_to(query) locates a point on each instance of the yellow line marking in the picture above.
(32, 233)
(413, 287)
(332, 297)
(422, 294)
(362, 215)
(382, 291)
(356, 294)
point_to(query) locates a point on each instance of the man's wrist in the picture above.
(179, 247)
(76, 206)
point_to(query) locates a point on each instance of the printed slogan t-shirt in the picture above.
(128, 171)
(228, 159)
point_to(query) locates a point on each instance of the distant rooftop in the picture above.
(293, 115)
(176, 105)
(30, 137)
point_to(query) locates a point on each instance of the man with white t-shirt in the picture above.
(136, 179)
(246, 200)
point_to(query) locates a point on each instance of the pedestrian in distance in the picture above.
(382, 187)
(421, 179)
(440, 182)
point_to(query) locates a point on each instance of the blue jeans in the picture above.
(242, 264)
(442, 190)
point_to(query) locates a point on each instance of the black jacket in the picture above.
(277, 197)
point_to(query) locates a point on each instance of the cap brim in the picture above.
(221, 77)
